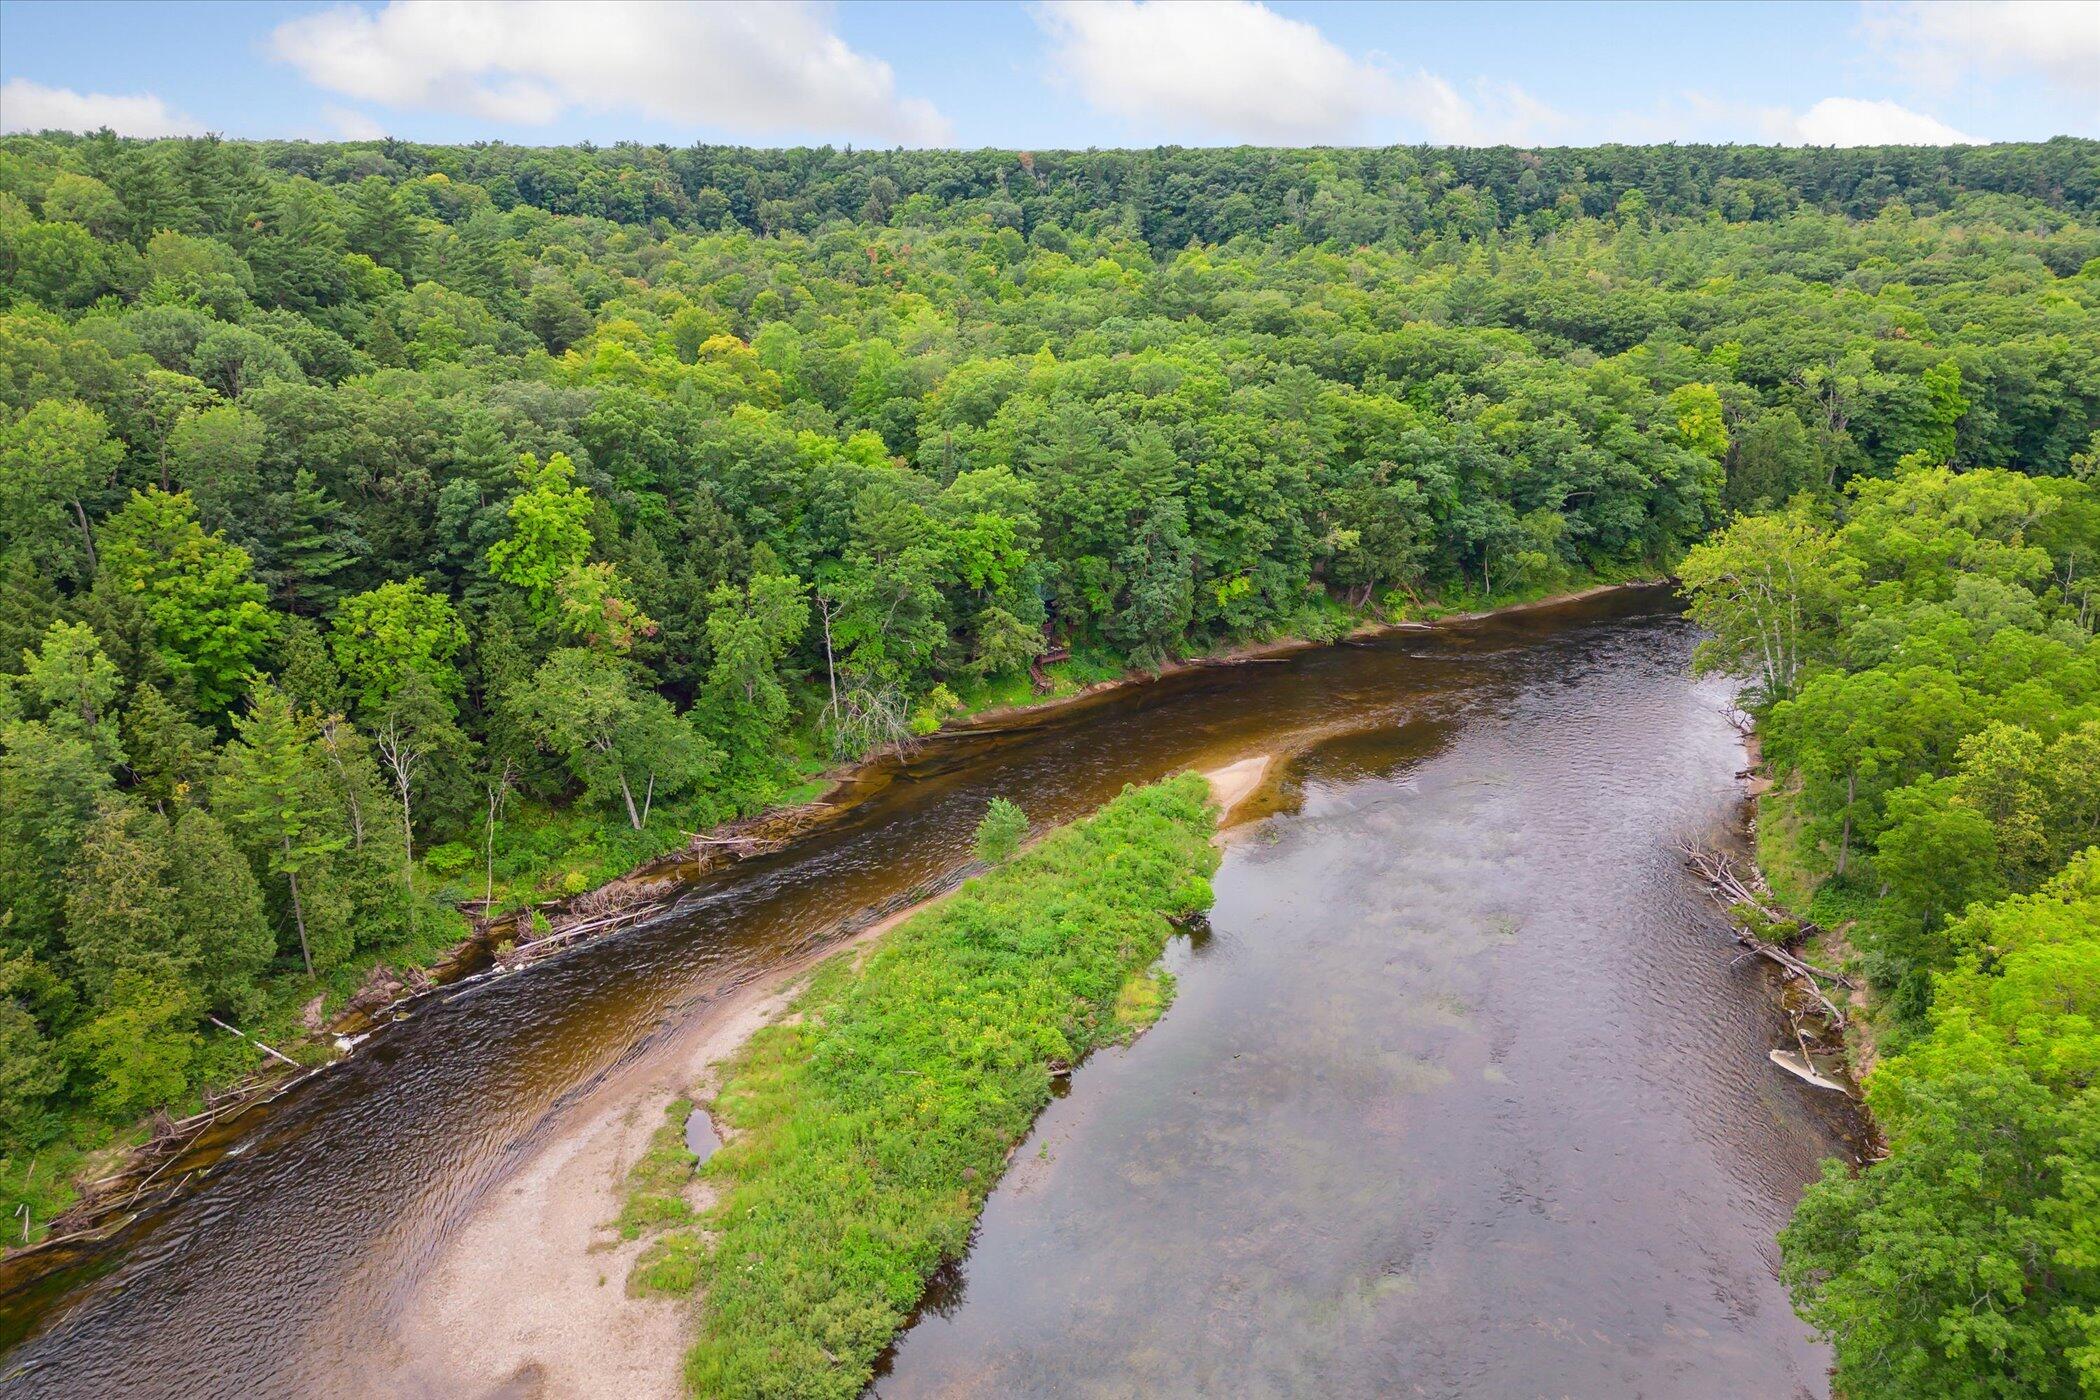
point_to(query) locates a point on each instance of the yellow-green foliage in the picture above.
(1144, 998)
(868, 1129)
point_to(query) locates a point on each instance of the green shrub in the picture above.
(449, 858)
(1000, 833)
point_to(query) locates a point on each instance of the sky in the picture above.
(1059, 73)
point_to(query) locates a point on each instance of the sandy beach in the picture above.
(529, 1299)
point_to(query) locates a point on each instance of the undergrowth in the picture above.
(866, 1129)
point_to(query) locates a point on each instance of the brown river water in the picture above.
(1463, 1092)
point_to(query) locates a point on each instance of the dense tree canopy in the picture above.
(1938, 741)
(367, 506)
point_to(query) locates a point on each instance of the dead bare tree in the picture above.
(498, 787)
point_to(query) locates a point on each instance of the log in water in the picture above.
(1465, 1091)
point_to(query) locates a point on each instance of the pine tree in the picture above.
(28, 606)
(168, 755)
(306, 673)
(120, 906)
(218, 907)
(269, 792)
(315, 544)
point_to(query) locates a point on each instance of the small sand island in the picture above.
(1235, 783)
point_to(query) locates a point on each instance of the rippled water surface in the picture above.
(1463, 1093)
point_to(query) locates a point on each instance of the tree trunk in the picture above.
(298, 911)
(488, 893)
(1845, 836)
(87, 536)
(627, 795)
(408, 858)
(830, 669)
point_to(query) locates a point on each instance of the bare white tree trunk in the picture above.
(498, 788)
(398, 747)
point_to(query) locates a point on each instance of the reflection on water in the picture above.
(1462, 1097)
(1462, 1094)
(701, 1139)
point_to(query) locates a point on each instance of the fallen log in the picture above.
(1728, 890)
(1718, 870)
(256, 1043)
(1803, 1068)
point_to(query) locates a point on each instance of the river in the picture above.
(1463, 1092)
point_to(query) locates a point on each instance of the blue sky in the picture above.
(1116, 73)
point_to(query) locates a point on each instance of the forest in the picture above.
(391, 534)
(1928, 694)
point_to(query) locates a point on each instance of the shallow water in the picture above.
(701, 1139)
(1464, 1093)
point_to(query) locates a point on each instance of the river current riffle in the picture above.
(1463, 1092)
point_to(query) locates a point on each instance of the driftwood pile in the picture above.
(595, 913)
(170, 1143)
(1730, 890)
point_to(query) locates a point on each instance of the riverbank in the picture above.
(1779, 874)
(163, 1153)
(581, 1330)
(1765, 889)
(1430, 618)
(577, 1330)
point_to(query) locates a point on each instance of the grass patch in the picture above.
(654, 1195)
(1554, 583)
(1790, 870)
(870, 1125)
(1144, 998)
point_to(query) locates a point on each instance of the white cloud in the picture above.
(1856, 121)
(349, 124)
(28, 106)
(1942, 42)
(1237, 70)
(762, 70)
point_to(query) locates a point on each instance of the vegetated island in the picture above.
(865, 1128)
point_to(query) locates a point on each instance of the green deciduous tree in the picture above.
(751, 631)
(215, 455)
(382, 636)
(550, 534)
(210, 617)
(618, 739)
(71, 685)
(54, 458)
(1765, 587)
(1938, 856)
(413, 732)
(1966, 1264)
(135, 1051)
